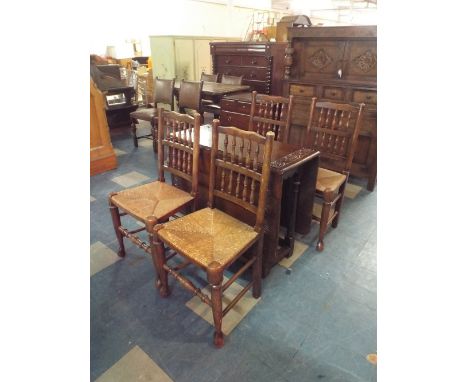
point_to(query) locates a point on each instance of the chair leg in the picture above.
(326, 206)
(117, 223)
(159, 260)
(257, 270)
(133, 127)
(338, 205)
(215, 278)
(154, 135)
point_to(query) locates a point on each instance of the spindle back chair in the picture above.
(157, 201)
(333, 129)
(210, 238)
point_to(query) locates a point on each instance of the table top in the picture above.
(218, 89)
(284, 156)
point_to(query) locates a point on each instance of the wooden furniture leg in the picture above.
(133, 128)
(154, 135)
(159, 261)
(215, 278)
(117, 223)
(326, 206)
(338, 204)
(257, 270)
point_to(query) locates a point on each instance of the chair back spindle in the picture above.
(235, 175)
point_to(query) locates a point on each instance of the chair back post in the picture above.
(161, 130)
(309, 123)
(252, 109)
(214, 151)
(195, 157)
(353, 145)
(268, 148)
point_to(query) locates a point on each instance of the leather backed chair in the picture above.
(209, 77)
(212, 239)
(155, 202)
(190, 98)
(333, 129)
(163, 93)
(271, 113)
(232, 80)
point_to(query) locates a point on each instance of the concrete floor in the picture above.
(316, 319)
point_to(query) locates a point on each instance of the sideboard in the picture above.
(335, 64)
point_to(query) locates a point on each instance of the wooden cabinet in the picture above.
(184, 57)
(261, 63)
(336, 64)
(102, 154)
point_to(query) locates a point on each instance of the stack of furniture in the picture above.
(261, 63)
(337, 64)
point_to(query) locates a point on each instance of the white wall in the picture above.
(114, 24)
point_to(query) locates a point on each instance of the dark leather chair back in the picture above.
(190, 93)
(231, 80)
(209, 77)
(164, 92)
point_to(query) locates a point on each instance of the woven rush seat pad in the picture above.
(157, 199)
(208, 235)
(329, 179)
(146, 114)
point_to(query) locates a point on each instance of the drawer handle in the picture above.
(227, 61)
(254, 62)
(229, 118)
(368, 97)
(333, 93)
(252, 75)
(301, 90)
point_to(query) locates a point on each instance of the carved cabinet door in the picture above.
(320, 59)
(361, 61)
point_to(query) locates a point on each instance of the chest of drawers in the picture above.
(261, 63)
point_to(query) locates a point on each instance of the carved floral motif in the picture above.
(320, 59)
(365, 61)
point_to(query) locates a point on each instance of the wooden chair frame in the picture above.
(229, 163)
(267, 113)
(159, 97)
(186, 149)
(336, 140)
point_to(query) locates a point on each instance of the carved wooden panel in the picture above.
(320, 59)
(361, 60)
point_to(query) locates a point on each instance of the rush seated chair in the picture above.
(155, 202)
(163, 93)
(333, 129)
(210, 238)
(190, 98)
(271, 113)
